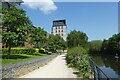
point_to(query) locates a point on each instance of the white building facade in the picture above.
(59, 27)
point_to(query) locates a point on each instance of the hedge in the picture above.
(19, 50)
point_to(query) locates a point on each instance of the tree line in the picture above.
(110, 46)
(79, 49)
(18, 29)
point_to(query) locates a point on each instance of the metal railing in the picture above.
(98, 73)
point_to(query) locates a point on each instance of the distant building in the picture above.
(8, 4)
(59, 27)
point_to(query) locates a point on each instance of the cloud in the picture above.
(47, 6)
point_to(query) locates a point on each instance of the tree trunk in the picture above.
(9, 50)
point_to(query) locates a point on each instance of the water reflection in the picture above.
(109, 64)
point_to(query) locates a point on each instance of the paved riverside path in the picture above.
(56, 68)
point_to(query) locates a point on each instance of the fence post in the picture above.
(98, 73)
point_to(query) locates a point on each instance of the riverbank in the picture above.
(108, 64)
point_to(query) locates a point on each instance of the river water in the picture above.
(108, 64)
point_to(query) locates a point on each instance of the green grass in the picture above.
(15, 58)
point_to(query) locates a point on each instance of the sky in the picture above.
(99, 20)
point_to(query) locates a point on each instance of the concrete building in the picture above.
(59, 27)
(8, 4)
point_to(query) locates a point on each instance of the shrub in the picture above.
(19, 50)
(45, 51)
(77, 57)
(42, 50)
(74, 54)
(36, 50)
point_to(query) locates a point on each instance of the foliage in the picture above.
(19, 50)
(38, 36)
(112, 45)
(42, 50)
(55, 42)
(16, 23)
(76, 38)
(77, 57)
(95, 46)
(36, 50)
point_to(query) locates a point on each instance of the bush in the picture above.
(74, 53)
(36, 50)
(77, 57)
(45, 51)
(19, 50)
(42, 50)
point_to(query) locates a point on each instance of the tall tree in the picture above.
(55, 42)
(95, 46)
(15, 24)
(38, 36)
(76, 38)
(112, 45)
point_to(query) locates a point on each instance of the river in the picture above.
(108, 64)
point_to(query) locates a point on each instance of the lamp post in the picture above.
(38, 44)
(21, 42)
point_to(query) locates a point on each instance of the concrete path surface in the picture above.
(56, 68)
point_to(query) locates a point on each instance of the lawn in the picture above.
(15, 58)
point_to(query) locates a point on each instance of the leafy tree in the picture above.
(38, 36)
(76, 38)
(95, 46)
(55, 42)
(15, 24)
(112, 45)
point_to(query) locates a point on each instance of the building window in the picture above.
(54, 27)
(62, 31)
(56, 31)
(59, 30)
(62, 34)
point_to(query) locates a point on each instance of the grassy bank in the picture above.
(15, 58)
